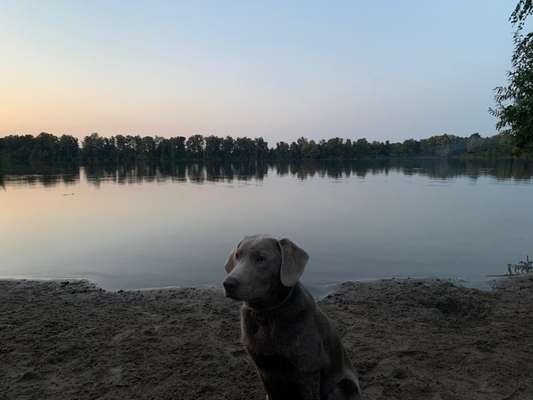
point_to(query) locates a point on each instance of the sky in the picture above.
(384, 70)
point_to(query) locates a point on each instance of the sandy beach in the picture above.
(408, 339)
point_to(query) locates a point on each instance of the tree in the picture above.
(121, 144)
(45, 147)
(178, 146)
(148, 147)
(410, 147)
(261, 148)
(244, 148)
(69, 149)
(92, 147)
(334, 148)
(514, 102)
(282, 150)
(213, 146)
(227, 147)
(195, 146)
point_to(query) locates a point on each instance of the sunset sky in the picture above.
(381, 70)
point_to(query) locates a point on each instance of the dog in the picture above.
(296, 351)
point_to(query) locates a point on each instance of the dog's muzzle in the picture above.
(230, 286)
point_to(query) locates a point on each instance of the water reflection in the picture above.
(201, 172)
(41, 175)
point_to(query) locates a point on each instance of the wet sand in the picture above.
(408, 339)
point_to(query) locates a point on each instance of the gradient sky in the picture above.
(381, 70)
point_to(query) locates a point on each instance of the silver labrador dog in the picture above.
(297, 352)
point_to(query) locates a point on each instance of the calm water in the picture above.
(174, 226)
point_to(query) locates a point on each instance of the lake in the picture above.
(146, 226)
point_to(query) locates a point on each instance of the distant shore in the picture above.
(409, 339)
(96, 149)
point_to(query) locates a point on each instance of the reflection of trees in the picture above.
(194, 172)
(200, 172)
(42, 175)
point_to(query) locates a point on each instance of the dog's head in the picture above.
(260, 266)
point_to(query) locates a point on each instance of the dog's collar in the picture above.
(263, 310)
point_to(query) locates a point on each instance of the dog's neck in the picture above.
(292, 302)
(281, 300)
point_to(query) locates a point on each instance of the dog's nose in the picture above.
(230, 284)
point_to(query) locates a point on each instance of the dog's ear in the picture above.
(230, 264)
(293, 260)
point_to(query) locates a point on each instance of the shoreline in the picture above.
(319, 289)
(408, 338)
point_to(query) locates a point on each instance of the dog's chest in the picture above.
(263, 336)
(270, 347)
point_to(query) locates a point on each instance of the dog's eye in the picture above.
(237, 255)
(259, 258)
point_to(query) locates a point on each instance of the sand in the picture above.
(408, 339)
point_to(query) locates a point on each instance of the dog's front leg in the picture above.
(310, 387)
(302, 388)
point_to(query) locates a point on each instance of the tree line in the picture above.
(94, 148)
